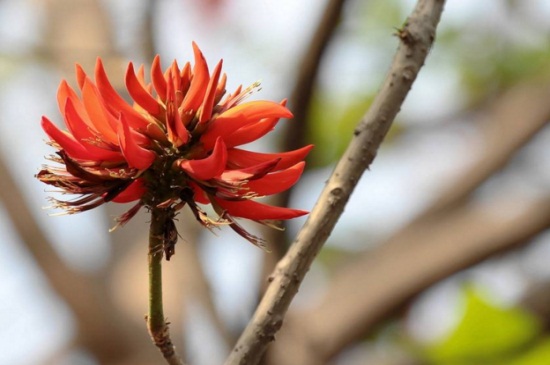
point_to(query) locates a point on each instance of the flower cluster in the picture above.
(176, 146)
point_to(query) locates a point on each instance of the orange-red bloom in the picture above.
(176, 146)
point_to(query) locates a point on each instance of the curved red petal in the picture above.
(208, 103)
(184, 79)
(135, 155)
(252, 172)
(114, 103)
(276, 182)
(251, 132)
(140, 95)
(102, 121)
(133, 192)
(237, 158)
(258, 211)
(241, 116)
(177, 133)
(80, 76)
(209, 167)
(199, 194)
(76, 125)
(64, 92)
(199, 82)
(80, 130)
(220, 90)
(66, 141)
(159, 82)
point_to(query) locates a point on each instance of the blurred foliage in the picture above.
(538, 354)
(485, 71)
(484, 59)
(332, 123)
(488, 334)
(331, 126)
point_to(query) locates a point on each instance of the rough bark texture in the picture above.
(453, 233)
(416, 39)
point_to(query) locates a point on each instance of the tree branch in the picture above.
(416, 38)
(366, 291)
(400, 269)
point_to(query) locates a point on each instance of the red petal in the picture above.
(115, 103)
(67, 142)
(140, 95)
(133, 192)
(177, 133)
(199, 82)
(240, 116)
(200, 196)
(102, 121)
(209, 167)
(208, 103)
(253, 172)
(65, 92)
(220, 90)
(80, 76)
(135, 155)
(76, 125)
(258, 211)
(238, 158)
(277, 181)
(158, 78)
(176, 82)
(82, 133)
(184, 77)
(251, 132)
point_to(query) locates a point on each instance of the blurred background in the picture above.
(441, 257)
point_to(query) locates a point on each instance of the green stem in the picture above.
(156, 324)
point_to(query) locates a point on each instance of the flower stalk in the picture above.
(156, 323)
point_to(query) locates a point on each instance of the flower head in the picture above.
(176, 146)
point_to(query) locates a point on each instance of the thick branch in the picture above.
(355, 299)
(416, 38)
(511, 122)
(411, 263)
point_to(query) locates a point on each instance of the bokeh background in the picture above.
(441, 257)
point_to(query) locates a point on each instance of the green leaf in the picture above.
(485, 334)
(536, 355)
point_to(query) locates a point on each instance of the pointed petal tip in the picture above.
(210, 166)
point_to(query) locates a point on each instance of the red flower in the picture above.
(176, 146)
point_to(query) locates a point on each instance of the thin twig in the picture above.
(300, 99)
(156, 324)
(416, 38)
